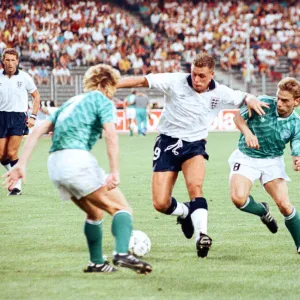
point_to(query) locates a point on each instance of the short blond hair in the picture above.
(101, 75)
(11, 51)
(291, 85)
(204, 60)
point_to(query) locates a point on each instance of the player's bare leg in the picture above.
(12, 150)
(194, 174)
(240, 187)
(278, 190)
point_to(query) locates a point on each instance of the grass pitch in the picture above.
(43, 247)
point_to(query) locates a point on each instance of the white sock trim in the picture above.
(93, 222)
(181, 210)
(292, 215)
(122, 211)
(246, 203)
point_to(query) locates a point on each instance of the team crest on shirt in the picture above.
(19, 83)
(214, 102)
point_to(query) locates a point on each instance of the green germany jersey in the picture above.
(272, 131)
(78, 122)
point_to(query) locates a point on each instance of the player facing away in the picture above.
(260, 156)
(191, 103)
(77, 126)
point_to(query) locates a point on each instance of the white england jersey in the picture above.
(14, 91)
(187, 114)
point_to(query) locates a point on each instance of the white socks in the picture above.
(181, 210)
(199, 219)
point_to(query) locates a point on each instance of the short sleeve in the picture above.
(160, 81)
(231, 97)
(295, 142)
(30, 85)
(107, 111)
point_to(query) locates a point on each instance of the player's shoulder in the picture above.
(98, 98)
(24, 74)
(267, 99)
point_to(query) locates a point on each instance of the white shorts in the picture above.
(130, 113)
(264, 169)
(75, 173)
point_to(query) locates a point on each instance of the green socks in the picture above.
(93, 233)
(292, 222)
(121, 229)
(253, 207)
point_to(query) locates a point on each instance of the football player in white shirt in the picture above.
(192, 102)
(14, 88)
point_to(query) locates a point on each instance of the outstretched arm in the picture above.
(19, 170)
(253, 103)
(133, 81)
(250, 138)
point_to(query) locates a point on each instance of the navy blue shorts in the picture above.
(13, 123)
(170, 153)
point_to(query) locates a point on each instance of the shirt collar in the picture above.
(211, 86)
(16, 73)
(281, 118)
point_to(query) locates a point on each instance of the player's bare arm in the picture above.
(19, 170)
(253, 103)
(296, 163)
(112, 148)
(133, 81)
(36, 104)
(250, 138)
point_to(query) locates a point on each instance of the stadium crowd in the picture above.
(63, 34)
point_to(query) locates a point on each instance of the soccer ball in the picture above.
(139, 243)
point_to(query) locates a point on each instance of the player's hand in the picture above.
(113, 180)
(30, 122)
(13, 175)
(297, 165)
(257, 106)
(251, 141)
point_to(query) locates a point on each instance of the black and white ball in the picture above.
(139, 243)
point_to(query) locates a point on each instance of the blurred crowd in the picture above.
(222, 28)
(63, 34)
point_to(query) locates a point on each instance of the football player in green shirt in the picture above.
(260, 156)
(77, 126)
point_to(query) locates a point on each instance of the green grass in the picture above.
(43, 247)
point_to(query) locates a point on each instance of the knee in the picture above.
(95, 215)
(194, 189)
(161, 206)
(284, 206)
(238, 198)
(12, 155)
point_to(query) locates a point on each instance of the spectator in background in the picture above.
(34, 73)
(43, 75)
(142, 108)
(124, 65)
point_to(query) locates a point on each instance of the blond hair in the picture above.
(291, 85)
(10, 51)
(204, 60)
(102, 77)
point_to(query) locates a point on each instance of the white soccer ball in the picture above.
(139, 243)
